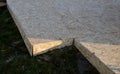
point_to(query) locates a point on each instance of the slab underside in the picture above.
(93, 26)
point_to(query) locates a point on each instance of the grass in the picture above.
(15, 59)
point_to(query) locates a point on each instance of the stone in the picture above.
(93, 26)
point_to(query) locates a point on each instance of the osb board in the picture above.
(93, 26)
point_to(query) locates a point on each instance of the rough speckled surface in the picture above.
(93, 24)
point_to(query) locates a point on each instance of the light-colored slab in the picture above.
(93, 26)
(40, 24)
